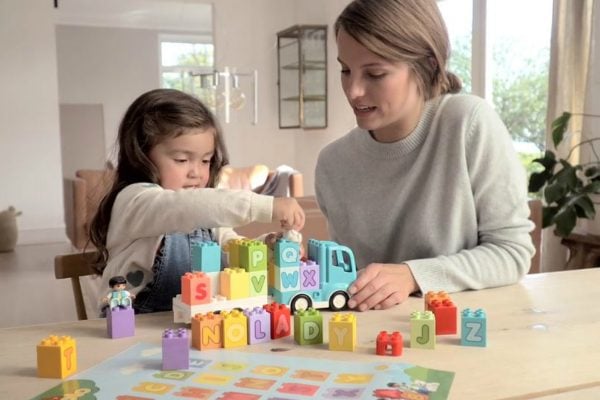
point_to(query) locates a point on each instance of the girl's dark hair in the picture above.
(410, 31)
(153, 117)
(117, 280)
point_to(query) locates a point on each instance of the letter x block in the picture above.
(308, 327)
(175, 349)
(309, 275)
(473, 328)
(342, 332)
(56, 357)
(389, 344)
(422, 330)
(280, 320)
(120, 322)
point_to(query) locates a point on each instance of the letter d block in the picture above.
(120, 322)
(422, 330)
(286, 279)
(56, 357)
(235, 329)
(473, 328)
(235, 283)
(175, 349)
(308, 327)
(206, 256)
(259, 325)
(253, 256)
(342, 332)
(196, 288)
(207, 331)
(286, 253)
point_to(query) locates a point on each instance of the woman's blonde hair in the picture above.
(410, 31)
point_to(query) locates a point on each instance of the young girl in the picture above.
(428, 190)
(170, 153)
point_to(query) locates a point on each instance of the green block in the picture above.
(253, 255)
(422, 330)
(308, 327)
(258, 283)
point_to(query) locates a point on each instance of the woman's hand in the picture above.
(288, 212)
(381, 286)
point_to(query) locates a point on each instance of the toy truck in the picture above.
(256, 276)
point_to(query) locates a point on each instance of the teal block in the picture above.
(206, 256)
(308, 327)
(473, 328)
(286, 253)
(253, 255)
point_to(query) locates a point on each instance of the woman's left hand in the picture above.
(381, 286)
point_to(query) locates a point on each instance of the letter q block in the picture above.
(56, 357)
(286, 253)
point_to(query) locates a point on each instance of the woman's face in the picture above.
(383, 94)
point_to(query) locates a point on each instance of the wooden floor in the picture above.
(30, 293)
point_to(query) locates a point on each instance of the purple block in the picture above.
(175, 349)
(259, 325)
(120, 322)
(309, 275)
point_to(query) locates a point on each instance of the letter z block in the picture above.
(196, 288)
(473, 328)
(235, 283)
(206, 256)
(308, 327)
(422, 330)
(56, 357)
(235, 329)
(259, 325)
(120, 322)
(207, 331)
(286, 253)
(175, 349)
(342, 332)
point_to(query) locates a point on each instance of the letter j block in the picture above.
(56, 357)
(422, 330)
(473, 328)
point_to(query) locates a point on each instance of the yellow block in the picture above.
(56, 357)
(342, 332)
(235, 330)
(235, 283)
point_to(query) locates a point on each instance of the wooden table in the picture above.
(543, 336)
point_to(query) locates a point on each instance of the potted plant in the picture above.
(566, 188)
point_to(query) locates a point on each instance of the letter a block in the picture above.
(175, 349)
(120, 322)
(473, 328)
(308, 327)
(286, 253)
(280, 320)
(235, 329)
(196, 288)
(56, 357)
(206, 256)
(259, 325)
(342, 332)
(422, 330)
(207, 331)
(253, 255)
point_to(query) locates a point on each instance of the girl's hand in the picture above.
(287, 211)
(381, 286)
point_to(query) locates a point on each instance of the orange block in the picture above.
(207, 331)
(56, 357)
(430, 296)
(195, 288)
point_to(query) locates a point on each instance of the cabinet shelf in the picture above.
(315, 97)
(308, 65)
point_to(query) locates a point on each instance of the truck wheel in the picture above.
(300, 302)
(338, 300)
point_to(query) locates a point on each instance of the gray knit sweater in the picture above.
(449, 200)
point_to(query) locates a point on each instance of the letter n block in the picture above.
(235, 283)
(196, 288)
(445, 316)
(473, 328)
(280, 320)
(308, 327)
(207, 331)
(286, 253)
(56, 357)
(309, 275)
(286, 279)
(253, 255)
(342, 332)
(206, 256)
(235, 329)
(422, 330)
(258, 283)
(120, 322)
(259, 325)
(175, 349)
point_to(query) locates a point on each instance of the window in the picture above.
(182, 57)
(504, 56)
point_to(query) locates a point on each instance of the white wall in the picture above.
(30, 159)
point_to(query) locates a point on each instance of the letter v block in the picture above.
(258, 283)
(422, 330)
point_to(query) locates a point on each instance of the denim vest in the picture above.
(171, 262)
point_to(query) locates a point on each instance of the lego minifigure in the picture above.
(118, 296)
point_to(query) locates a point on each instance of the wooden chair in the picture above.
(74, 266)
(535, 207)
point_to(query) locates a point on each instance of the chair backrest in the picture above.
(535, 215)
(74, 266)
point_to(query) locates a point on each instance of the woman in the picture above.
(427, 190)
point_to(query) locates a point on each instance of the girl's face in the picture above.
(384, 96)
(183, 162)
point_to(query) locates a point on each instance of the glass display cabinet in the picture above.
(302, 76)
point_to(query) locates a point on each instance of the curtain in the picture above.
(571, 62)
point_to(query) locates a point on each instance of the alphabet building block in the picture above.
(389, 344)
(286, 253)
(120, 322)
(206, 256)
(445, 316)
(342, 332)
(308, 327)
(259, 325)
(56, 357)
(253, 255)
(235, 329)
(235, 283)
(309, 275)
(286, 279)
(422, 330)
(280, 320)
(175, 349)
(473, 328)
(196, 288)
(258, 283)
(207, 331)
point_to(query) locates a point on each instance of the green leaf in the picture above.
(592, 172)
(593, 187)
(567, 176)
(585, 208)
(559, 127)
(537, 180)
(555, 191)
(565, 220)
(548, 214)
(548, 161)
